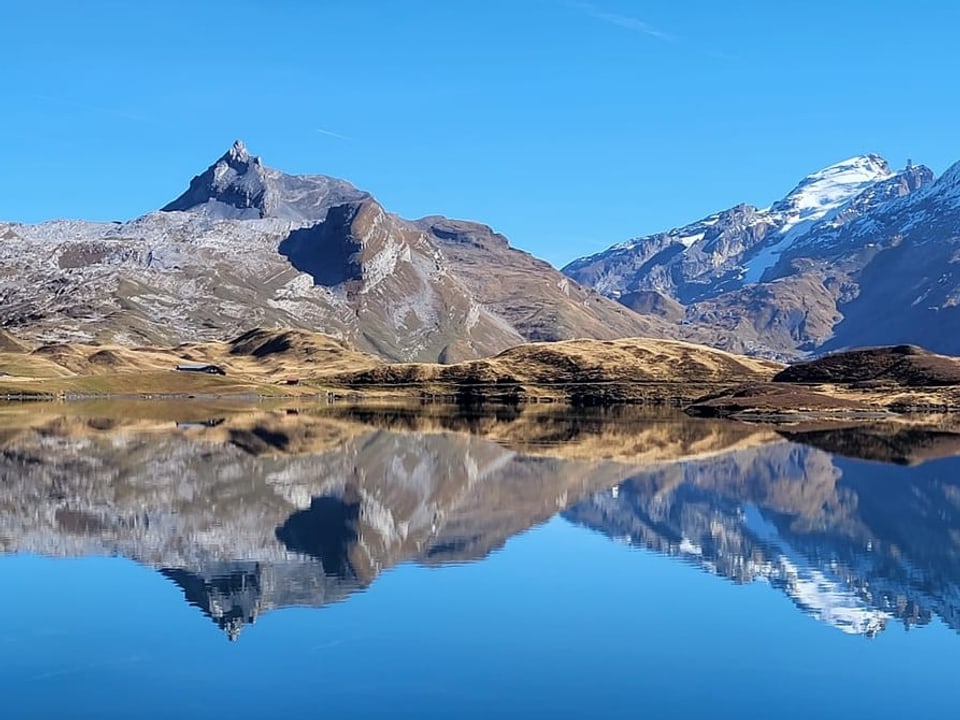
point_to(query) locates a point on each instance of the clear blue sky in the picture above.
(567, 125)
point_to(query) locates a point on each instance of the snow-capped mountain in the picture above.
(732, 247)
(795, 278)
(818, 196)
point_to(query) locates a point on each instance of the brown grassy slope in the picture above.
(768, 398)
(902, 378)
(256, 359)
(904, 365)
(270, 357)
(632, 360)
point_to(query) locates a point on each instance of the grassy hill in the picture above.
(259, 362)
(577, 371)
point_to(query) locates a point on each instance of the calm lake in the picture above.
(173, 560)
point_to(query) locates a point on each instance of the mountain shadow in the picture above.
(326, 251)
(325, 531)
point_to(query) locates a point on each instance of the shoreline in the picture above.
(847, 405)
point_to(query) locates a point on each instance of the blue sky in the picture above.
(567, 125)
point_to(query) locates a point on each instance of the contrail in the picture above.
(330, 133)
(624, 21)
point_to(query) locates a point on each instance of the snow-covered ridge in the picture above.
(742, 243)
(826, 190)
(819, 196)
(947, 186)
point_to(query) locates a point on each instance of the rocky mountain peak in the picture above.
(238, 152)
(915, 176)
(238, 186)
(824, 191)
(235, 186)
(239, 159)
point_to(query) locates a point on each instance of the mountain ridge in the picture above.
(791, 280)
(855, 254)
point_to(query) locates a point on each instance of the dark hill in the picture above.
(904, 365)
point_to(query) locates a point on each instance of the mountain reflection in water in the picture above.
(252, 510)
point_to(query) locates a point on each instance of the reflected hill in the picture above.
(251, 509)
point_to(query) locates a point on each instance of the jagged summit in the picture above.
(238, 152)
(238, 186)
(825, 190)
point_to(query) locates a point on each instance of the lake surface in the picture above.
(175, 560)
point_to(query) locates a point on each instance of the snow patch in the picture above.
(818, 197)
(690, 240)
(817, 591)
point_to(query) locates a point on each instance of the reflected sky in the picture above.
(371, 571)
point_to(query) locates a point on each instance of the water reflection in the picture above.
(248, 510)
(855, 544)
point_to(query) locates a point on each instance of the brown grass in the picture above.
(9, 344)
(767, 398)
(901, 365)
(583, 361)
(260, 362)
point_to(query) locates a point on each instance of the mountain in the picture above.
(246, 245)
(855, 255)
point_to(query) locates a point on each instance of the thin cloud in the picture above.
(625, 21)
(331, 133)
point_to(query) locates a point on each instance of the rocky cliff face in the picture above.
(855, 254)
(247, 245)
